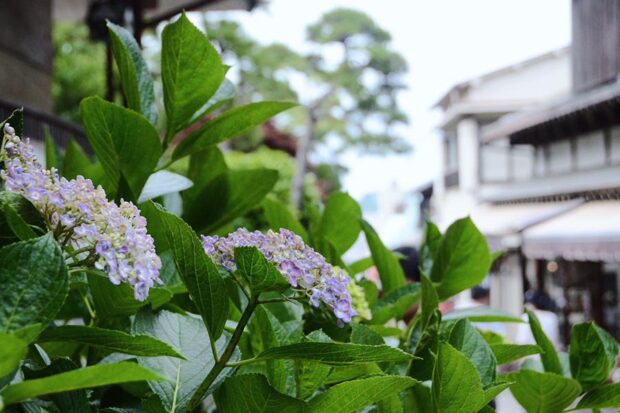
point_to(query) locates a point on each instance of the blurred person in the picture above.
(409, 262)
(542, 305)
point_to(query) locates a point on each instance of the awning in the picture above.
(502, 224)
(583, 112)
(590, 232)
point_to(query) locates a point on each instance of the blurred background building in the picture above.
(532, 152)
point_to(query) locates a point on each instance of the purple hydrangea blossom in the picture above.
(81, 217)
(300, 264)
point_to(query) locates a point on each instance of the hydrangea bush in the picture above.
(128, 288)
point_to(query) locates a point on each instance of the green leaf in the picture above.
(26, 211)
(162, 183)
(237, 193)
(232, 123)
(252, 393)
(191, 71)
(456, 384)
(76, 161)
(35, 283)
(204, 283)
(84, 378)
(125, 143)
(260, 274)
(355, 394)
(465, 338)
(593, 354)
(387, 264)
(70, 401)
(118, 300)
(135, 78)
(492, 391)
(604, 397)
(428, 250)
(264, 332)
(462, 260)
(396, 303)
(543, 392)
(361, 334)
(335, 353)
(548, 356)
(279, 216)
(505, 353)
(204, 167)
(112, 340)
(482, 314)
(188, 334)
(341, 221)
(12, 351)
(361, 265)
(224, 94)
(52, 157)
(16, 223)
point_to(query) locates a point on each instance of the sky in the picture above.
(444, 42)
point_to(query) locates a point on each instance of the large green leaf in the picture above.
(135, 78)
(24, 209)
(224, 94)
(15, 222)
(604, 397)
(548, 355)
(113, 340)
(335, 353)
(505, 353)
(465, 338)
(279, 216)
(188, 334)
(69, 401)
(84, 378)
(125, 143)
(260, 274)
(205, 284)
(191, 71)
(232, 123)
(456, 384)
(252, 393)
(428, 249)
(118, 300)
(543, 392)
(229, 196)
(52, 155)
(353, 395)
(265, 329)
(162, 183)
(341, 221)
(76, 161)
(482, 314)
(593, 354)
(396, 303)
(12, 351)
(390, 271)
(34, 283)
(462, 260)
(204, 166)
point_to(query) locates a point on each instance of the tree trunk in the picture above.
(301, 159)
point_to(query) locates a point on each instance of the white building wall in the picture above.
(468, 155)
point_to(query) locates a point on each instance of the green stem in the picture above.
(242, 362)
(228, 352)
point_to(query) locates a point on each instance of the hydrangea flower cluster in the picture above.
(300, 264)
(113, 236)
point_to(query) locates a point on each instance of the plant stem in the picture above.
(228, 352)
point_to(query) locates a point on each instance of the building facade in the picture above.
(542, 180)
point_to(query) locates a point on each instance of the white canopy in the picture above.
(590, 232)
